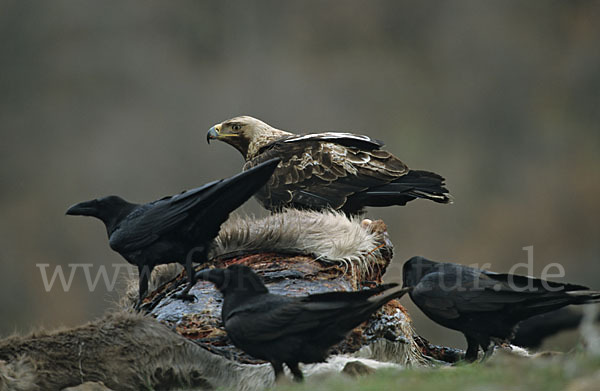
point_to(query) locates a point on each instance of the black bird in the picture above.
(179, 228)
(532, 332)
(290, 330)
(483, 305)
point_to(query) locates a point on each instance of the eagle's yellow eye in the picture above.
(236, 127)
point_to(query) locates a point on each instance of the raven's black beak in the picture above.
(86, 208)
(213, 133)
(216, 276)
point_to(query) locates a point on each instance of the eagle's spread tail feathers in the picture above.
(415, 184)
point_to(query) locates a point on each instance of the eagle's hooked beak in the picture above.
(213, 133)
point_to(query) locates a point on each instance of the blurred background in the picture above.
(116, 97)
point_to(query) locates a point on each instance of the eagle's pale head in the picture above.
(246, 134)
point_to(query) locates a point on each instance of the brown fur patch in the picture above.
(124, 351)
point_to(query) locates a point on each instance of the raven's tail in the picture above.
(379, 301)
(359, 305)
(363, 311)
(585, 297)
(550, 302)
(415, 184)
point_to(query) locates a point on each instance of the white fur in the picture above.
(335, 364)
(328, 236)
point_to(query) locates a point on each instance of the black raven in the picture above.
(532, 332)
(483, 305)
(179, 228)
(290, 330)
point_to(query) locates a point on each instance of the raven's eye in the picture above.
(236, 127)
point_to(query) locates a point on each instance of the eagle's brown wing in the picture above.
(322, 170)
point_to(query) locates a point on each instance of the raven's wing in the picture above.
(269, 319)
(532, 283)
(277, 316)
(148, 222)
(323, 170)
(208, 205)
(449, 294)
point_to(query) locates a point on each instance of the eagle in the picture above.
(340, 171)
